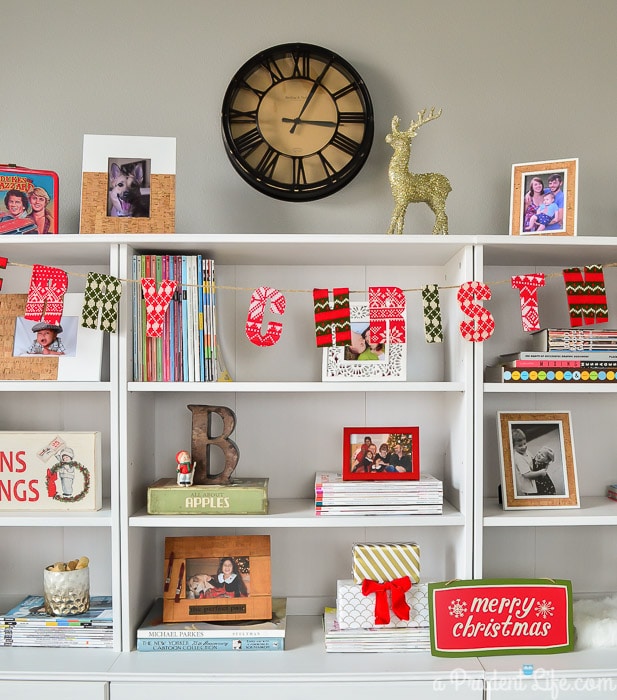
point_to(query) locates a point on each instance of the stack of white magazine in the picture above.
(383, 639)
(333, 496)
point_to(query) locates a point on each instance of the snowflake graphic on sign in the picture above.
(544, 609)
(457, 608)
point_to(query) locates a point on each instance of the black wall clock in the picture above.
(297, 122)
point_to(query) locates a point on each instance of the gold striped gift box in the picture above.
(385, 562)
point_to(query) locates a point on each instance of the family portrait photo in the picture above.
(381, 454)
(544, 198)
(537, 458)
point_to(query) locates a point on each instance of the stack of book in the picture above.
(186, 352)
(611, 492)
(240, 635)
(333, 496)
(28, 625)
(563, 355)
(373, 639)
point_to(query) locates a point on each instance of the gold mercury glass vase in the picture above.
(66, 592)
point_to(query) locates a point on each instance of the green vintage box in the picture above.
(244, 496)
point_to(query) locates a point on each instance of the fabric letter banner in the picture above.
(482, 326)
(101, 297)
(332, 324)
(586, 295)
(156, 304)
(527, 286)
(257, 306)
(46, 294)
(3, 263)
(431, 309)
(386, 307)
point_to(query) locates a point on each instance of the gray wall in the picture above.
(523, 81)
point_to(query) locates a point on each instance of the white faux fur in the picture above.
(595, 621)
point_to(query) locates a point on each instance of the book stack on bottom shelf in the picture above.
(263, 635)
(334, 496)
(28, 625)
(387, 612)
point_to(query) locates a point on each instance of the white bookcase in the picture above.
(290, 425)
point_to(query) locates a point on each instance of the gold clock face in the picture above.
(297, 122)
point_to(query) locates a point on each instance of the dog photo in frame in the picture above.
(538, 468)
(217, 578)
(381, 454)
(128, 184)
(544, 198)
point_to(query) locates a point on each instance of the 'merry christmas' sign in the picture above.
(492, 617)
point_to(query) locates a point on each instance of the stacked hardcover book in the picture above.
(186, 351)
(334, 496)
(28, 625)
(561, 356)
(266, 635)
(611, 492)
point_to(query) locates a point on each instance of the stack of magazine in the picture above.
(238, 635)
(28, 625)
(374, 639)
(186, 352)
(334, 496)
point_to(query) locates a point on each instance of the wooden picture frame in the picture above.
(83, 346)
(396, 454)
(342, 364)
(530, 442)
(128, 184)
(198, 586)
(558, 179)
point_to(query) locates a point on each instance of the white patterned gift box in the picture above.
(357, 611)
(379, 561)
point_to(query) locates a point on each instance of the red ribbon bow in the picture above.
(397, 589)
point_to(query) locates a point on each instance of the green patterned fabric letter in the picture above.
(433, 330)
(101, 299)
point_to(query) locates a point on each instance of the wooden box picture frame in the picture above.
(544, 198)
(128, 184)
(533, 442)
(384, 362)
(83, 347)
(217, 578)
(381, 454)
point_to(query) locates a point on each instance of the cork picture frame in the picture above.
(544, 198)
(128, 184)
(82, 348)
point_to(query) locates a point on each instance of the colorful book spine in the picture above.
(560, 364)
(546, 375)
(212, 644)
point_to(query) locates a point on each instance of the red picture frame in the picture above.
(393, 454)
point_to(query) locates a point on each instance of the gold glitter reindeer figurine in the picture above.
(432, 188)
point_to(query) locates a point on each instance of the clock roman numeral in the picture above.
(267, 164)
(344, 91)
(248, 142)
(273, 69)
(345, 144)
(237, 116)
(298, 173)
(302, 66)
(351, 117)
(329, 169)
(246, 86)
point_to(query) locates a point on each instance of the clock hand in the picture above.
(307, 121)
(309, 97)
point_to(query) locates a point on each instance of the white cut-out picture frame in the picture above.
(341, 363)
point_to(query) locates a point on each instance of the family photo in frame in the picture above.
(538, 468)
(544, 198)
(364, 358)
(381, 454)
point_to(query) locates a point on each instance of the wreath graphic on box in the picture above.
(52, 476)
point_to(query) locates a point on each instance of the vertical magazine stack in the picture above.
(186, 350)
